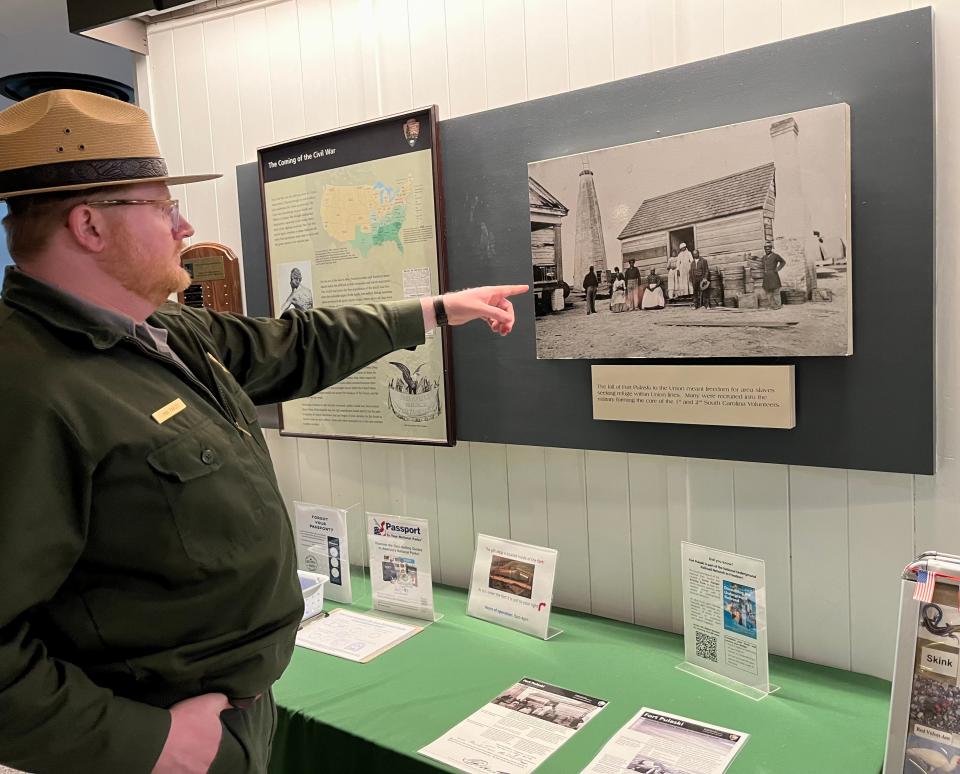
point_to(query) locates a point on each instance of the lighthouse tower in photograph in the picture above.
(588, 250)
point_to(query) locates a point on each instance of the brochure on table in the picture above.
(512, 585)
(661, 742)
(354, 636)
(323, 546)
(401, 581)
(725, 619)
(516, 731)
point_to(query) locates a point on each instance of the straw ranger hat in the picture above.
(67, 140)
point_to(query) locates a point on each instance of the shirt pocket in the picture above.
(214, 508)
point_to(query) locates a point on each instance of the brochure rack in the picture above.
(921, 733)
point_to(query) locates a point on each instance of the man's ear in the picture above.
(87, 226)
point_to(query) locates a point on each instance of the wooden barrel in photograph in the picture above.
(732, 275)
(793, 296)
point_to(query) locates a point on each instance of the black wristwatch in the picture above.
(440, 312)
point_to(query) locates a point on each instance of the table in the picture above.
(337, 715)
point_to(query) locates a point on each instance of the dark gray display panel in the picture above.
(874, 410)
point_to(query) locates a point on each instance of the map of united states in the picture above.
(365, 216)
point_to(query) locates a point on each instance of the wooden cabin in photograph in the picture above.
(726, 219)
(546, 212)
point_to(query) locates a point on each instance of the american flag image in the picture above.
(925, 583)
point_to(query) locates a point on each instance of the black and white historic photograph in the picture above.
(558, 707)
(294, 287)
(727, 242)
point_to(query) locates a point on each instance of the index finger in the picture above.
(511, 290)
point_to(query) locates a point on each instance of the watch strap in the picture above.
(440, 312)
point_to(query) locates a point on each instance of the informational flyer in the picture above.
(512, 585)
(353, 636)
(400, 576)
(322, 547)
(933, 729)
(516, 731)
(352, 217)
(725, 615)
(656, 742)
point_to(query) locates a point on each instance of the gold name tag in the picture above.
(170, 410)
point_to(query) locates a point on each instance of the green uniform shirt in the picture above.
(144, 562)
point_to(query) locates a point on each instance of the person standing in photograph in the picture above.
(632, 276)
(698, 272)
(590, 283)
(673, 280)
(618, 297)
(684, 262)
(772, 263)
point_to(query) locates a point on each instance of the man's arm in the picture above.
(302, 353)
(53, 718)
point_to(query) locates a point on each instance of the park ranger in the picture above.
(147, 565)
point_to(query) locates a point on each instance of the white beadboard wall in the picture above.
(219, 85)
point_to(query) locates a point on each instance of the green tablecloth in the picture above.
(336, 715)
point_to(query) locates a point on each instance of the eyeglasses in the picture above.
(170, 207)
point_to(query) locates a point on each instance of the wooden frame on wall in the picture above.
(355, 215)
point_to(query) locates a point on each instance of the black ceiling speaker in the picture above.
(20, 86)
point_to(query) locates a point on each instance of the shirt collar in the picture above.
(56, 307)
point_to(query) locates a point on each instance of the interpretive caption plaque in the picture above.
(734, 396)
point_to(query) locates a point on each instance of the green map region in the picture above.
(381, 232)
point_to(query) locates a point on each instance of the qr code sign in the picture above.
(706, 646)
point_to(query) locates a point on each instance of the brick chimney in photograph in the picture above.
(792, 232)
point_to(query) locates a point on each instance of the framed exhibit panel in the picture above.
(873, 409)
(864, 384)
(355, 216)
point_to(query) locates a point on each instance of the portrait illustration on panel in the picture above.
(294, 287)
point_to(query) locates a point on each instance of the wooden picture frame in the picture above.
(336, 206)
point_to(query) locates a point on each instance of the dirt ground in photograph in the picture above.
(820, 330)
